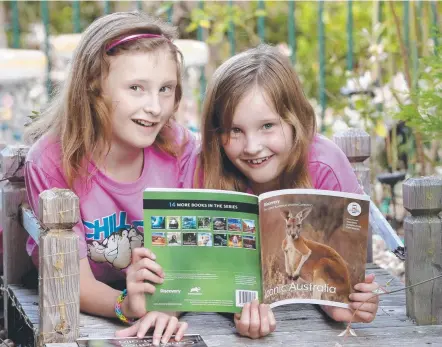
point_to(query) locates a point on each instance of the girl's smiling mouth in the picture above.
(143, 123)
(258, 162)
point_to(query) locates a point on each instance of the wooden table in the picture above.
(297, 325)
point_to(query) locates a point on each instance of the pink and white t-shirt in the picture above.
(111, 212)
(328, 167)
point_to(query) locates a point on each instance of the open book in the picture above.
(220, 249)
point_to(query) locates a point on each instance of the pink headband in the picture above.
(131, 38)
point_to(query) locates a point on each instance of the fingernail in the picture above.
(154, 256)
(350, 296)
(357, 286)
(156, 341)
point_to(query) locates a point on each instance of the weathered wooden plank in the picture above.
(356, 145)
(393, 337)
(16, 262)
(297, 325)
(30, 222)
(423, 239)
(59, 267)
(374, 337)
(27, 305)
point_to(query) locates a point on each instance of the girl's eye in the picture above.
(235, 131)
(268, 126)
(136, 88)
(165, 89)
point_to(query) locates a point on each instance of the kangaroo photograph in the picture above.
(309, 252)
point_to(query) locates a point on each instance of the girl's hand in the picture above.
(143, 268)
(366, 311)
(165, 326)
(255, 321)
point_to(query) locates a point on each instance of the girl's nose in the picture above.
(252, 145)
(152, 105)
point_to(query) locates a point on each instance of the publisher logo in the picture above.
(354, 209)
(170, 291)
(195, 291)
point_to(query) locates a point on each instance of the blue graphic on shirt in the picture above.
(118, 240)
(108, 226)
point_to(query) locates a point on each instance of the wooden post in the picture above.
(355, 143)
(423, 243)
(2, 184)
(16, 261)
(59, 267)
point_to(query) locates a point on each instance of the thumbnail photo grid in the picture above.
(203, 231)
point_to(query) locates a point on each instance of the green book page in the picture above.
(207, 243)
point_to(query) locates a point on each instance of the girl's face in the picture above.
(260, 141)
(141, 89)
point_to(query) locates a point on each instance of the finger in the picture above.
(369, 278)
(272, 320)
(147, 275)
(170, 329)
(366, 287)
(182, 327)
(365, 317)
(366, 307)
(140, 253)
(141, 274)
(264, 328)
(236, 317)
(254, 320)
(150, 265)
(362, 297)
(128, 332)
(146, 323)
(243, 324)
(136, 288)
(160, 325)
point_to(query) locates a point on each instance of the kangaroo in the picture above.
(313, 261)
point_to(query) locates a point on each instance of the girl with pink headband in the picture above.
(108, 134)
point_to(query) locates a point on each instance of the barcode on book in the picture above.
(245, 296)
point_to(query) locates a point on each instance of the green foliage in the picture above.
(216, 17)
(424, 112)
(60, 13)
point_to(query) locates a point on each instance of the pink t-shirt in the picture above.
(111, 212)
(328, 166)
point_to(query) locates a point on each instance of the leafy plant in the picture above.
(424, 112)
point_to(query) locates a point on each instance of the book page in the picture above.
(313, 246)
(207, 243)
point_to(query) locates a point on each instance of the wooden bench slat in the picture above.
(30, 222)
(301, 324)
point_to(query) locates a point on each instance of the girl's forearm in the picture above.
(98, 298)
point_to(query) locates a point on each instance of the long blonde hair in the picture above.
(78, 113)
(266, 68)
